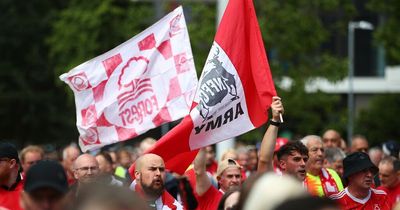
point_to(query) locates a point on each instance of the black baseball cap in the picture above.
(356, 162)
(8, 150)
(46, 173)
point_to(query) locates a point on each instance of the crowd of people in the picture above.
(313, 173)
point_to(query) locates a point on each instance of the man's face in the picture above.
(243, 159)
(231, 177)
(30, 159)
(362, 179)
(72, 154)
(125, 160)
(338, 167)
(86, 170)
(295, 165)
(152, 177)
(315, 154)
(5, 170)
(387, 175)
(331, 139)
(104, 166)
(42, 199)
(359, 145)
(210, 155)
(252, 161)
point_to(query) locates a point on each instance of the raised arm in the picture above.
(266, 155)
(203, 183)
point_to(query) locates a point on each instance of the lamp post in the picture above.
(364, 25)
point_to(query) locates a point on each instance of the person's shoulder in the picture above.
(378, 192)
(213, 192)
(331, 171)
(338, 195)
(382, 188)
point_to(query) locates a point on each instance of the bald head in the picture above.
(147, 159)
(331, 139)
(359, 144)
(150, 174)
(86, 168)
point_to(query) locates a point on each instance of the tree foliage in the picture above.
(53, 36)
(380, 122)
(31, 108)
(388, 31)
(295, 33)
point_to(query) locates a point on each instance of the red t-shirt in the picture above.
(9, 198)
(393, 194)
(212, 169)
(376, 200)
(210, 199)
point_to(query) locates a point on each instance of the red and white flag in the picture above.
(145, 82)
(235, 90)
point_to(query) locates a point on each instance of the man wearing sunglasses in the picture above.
(11, 183)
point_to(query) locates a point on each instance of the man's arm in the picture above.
(266, 155)
(203, 183)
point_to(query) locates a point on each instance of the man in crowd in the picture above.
(86, 171)
(334, 159)
(389, 175)
(331, 138)
(229, 174)
(292, 156)
(29, 156)
(292, 159)
(106, 169)
(211, 164)
(358, 173)
(359, 144)
(69, 155)
(243, 158)
(46, 187)
(252, 161)
(376, 155)
(150, 181)
(320, 181)
(10, 179)
(124, 160)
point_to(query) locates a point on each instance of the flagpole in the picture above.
(230, 143)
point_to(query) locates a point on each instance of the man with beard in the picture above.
(319, 181)
(359, 172)
(150, 180)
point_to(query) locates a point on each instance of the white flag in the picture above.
(145, 82)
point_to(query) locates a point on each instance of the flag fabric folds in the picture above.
(145, 82)
(234, 93)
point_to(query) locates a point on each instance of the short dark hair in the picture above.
(106, 156)
(290, 147)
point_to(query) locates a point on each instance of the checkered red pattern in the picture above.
(145, 82)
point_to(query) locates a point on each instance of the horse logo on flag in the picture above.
(215, 86)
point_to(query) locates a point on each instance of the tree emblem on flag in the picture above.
(215, 86)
